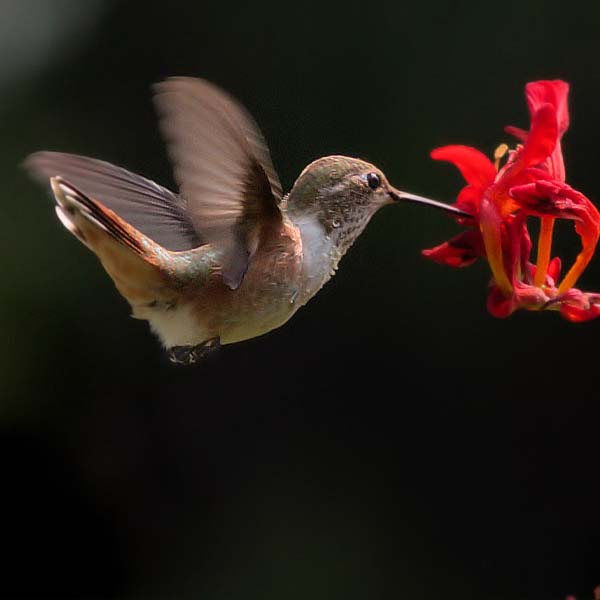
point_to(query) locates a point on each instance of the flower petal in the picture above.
(499, 305)
(576, 314)
(541, 94)
(477, 169)
(578, 306)
(469, 199)
(530, 198)
(555, 93)
(553, 272)
(548, 197)
(461, 251)
(542, 138)
(490, 223)
(529, 297)
(517, 132)
(549, 92)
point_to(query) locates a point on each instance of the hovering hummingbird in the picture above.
(230, 257)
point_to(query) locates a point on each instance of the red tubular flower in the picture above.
(531, 183)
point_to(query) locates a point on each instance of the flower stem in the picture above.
(544, 250)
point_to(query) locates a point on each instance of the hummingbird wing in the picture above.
(152, 209)
(222, 165)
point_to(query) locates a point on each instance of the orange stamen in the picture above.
(544, 250)
(577, 269)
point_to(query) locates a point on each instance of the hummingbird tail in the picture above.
(132, 260)
(72, 205)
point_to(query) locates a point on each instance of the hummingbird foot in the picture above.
(188, 355)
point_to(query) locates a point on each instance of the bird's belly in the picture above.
(269, 295)
(267, 298)
(255, 321)
(233, 316)
(178, 326)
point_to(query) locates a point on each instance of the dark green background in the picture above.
(393, 440)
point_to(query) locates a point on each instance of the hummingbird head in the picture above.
(342, 194)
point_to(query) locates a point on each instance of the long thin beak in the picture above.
(399, 196)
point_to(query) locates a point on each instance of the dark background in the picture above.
(393, 439)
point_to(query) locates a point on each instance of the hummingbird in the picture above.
(230, 256)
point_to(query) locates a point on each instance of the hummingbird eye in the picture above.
(373, 180)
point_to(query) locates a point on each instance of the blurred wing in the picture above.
(150, 208)
(222, 165)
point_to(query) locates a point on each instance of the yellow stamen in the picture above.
(544, 250)
(499, 153)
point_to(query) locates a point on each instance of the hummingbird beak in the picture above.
(398, 196)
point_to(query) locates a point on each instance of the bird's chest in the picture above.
(319, 257)
(267, 297)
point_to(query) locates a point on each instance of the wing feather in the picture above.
(152, 209)
(222, 165)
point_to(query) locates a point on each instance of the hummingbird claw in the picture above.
(189, 355)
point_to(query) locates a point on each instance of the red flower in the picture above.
(531, 183)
